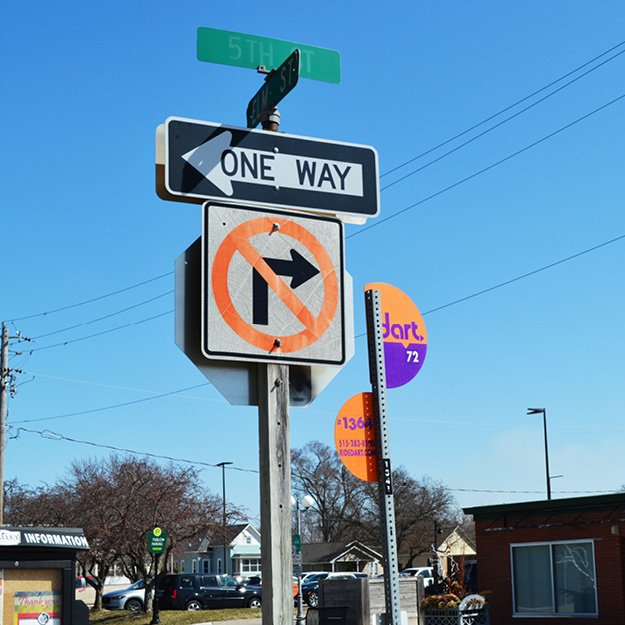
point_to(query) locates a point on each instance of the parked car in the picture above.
(81, 582)
(131, 598)
(307, 575)
(426, 572)
(195, 591)
(257, 580)
(310, 590)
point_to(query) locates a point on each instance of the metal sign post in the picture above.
(157, 541)
(385, 481)
(278, 83)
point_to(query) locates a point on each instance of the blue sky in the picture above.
(84, 88)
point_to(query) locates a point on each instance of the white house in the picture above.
(206, 554)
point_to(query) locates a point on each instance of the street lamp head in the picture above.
(535, 411)
(307, 501)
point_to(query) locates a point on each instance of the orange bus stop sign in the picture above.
(272, 286)
(354, 437)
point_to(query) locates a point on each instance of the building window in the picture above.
(182, 566)
(206, 566)
(554, 578)
(250, 565)
(193, 566)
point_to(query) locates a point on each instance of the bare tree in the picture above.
(132, 497)
(117, 502)
(347, 508)
(316, 470)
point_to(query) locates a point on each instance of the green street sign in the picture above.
(251, 51)
(276, 86)
(297, 543)
(157, 540)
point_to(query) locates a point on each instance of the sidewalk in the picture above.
(245, 621)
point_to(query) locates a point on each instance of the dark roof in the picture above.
(548, 505)
(329, 552)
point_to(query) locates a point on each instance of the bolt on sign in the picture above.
(272, 286)
(404, 335)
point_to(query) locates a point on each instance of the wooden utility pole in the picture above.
(4, 383)
(275, 493)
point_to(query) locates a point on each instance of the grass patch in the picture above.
(171, 617)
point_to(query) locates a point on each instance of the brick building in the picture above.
(544, 560)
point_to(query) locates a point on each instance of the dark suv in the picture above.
(195, 591)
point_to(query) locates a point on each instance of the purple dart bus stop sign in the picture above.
(404, 334)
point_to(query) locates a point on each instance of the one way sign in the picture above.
(207, 161)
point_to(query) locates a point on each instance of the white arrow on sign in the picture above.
(222, 164)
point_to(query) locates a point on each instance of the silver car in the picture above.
(131, 598)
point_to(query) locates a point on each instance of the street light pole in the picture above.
(306, 502)
(531, 411)
(223, 486)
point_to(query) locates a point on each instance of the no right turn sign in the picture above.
(272, 286)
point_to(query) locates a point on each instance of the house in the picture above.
(553, 558)
(353, 557)
(457, 554)
(205, 554)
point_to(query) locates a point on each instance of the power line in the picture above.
(526, 275)
(55, 436)
(511, 106)
(521, 277)
(485, 169)
(60, 437)
(501, 123)
(84, 338)
(113, 314)
(122, 405)
(95, 299)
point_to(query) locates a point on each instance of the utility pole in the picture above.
(5, 380)
(4, 383)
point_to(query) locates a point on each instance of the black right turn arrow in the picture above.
(297, 268)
